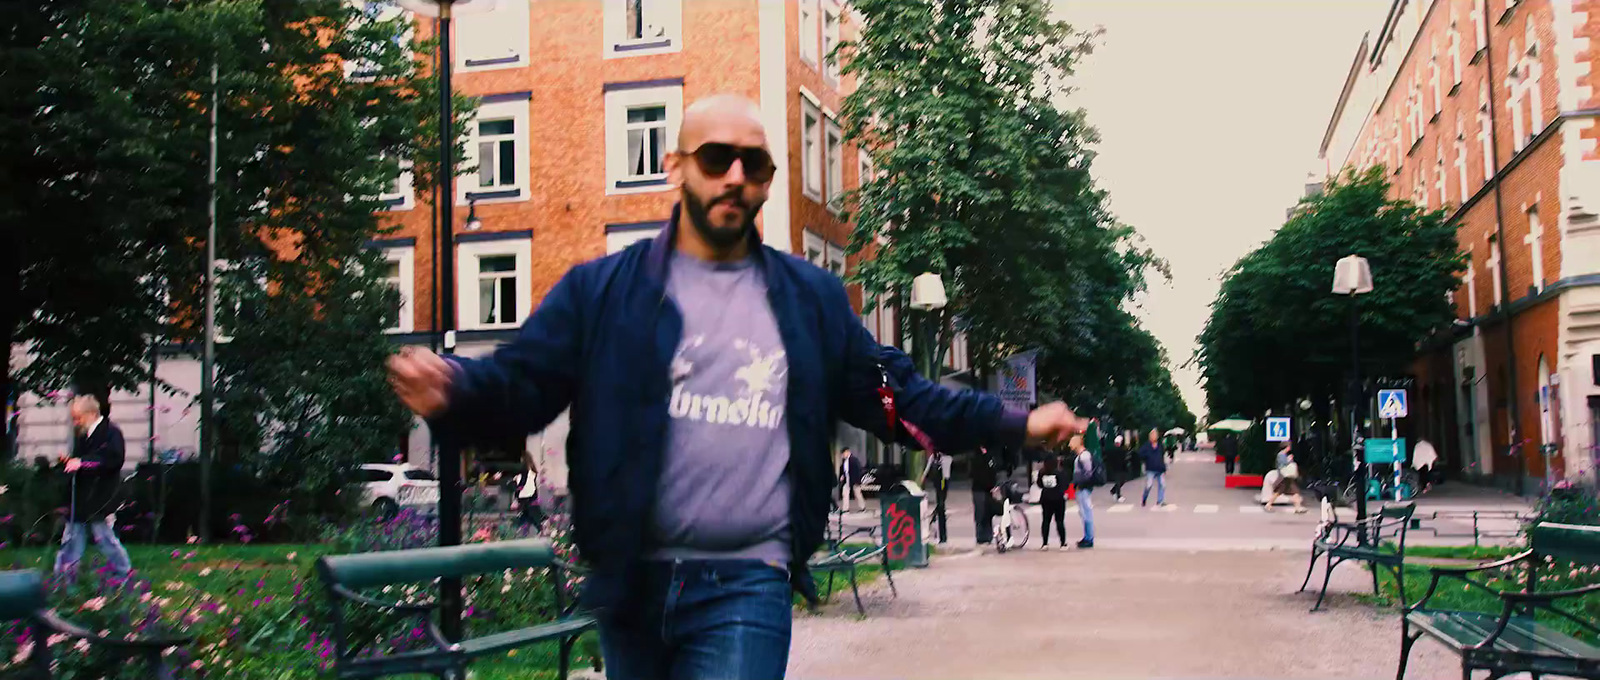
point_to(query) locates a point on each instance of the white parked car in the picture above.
(387, 488)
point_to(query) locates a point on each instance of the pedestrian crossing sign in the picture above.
(1392, 404)
(1277, 429)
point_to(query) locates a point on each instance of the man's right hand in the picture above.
(422, 380)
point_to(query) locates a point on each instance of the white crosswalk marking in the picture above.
(1121, 508)
(1252, 509)
(1166, 508)
(1205, 509)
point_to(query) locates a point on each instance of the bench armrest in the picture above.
(407, 607)
(54, 622)
(1460, 573)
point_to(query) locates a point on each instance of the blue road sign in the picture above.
(1392, 404)
(1277, 429)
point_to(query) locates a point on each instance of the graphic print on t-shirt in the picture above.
(739, 402)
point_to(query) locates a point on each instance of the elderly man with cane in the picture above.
(96, 468)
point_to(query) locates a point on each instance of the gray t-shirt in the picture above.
(724, 488)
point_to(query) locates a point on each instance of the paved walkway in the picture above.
(1203, 589)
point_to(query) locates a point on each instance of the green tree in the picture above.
(983, 178)
(1276, 333)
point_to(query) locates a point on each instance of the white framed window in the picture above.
(810, 148)
(620, 236)
(1461, 160)
(1455, 50)
(833, 150)
(1438, 176)
(810, 29)
(1485, 141)
(498, 145)
(830, 40)
(836, 261)
(494, 39)
(816, 249)
(399, 194)
(872, 319)
(399, 274)
(641, 128)
(1535, 243)
(1493, 263)
(1436, 82)
(636, 28)
(494, 283)
(1479, 32)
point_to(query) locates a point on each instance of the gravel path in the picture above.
(1110, 614)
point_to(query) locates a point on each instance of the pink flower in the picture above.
(95, 604)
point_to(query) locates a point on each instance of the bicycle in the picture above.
(1011, 528)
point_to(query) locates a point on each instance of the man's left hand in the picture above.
(73, 463)
(1053, 424)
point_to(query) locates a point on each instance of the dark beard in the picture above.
(718, 237)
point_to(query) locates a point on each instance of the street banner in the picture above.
(1016, 384)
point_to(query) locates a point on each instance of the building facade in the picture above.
(1487, 109)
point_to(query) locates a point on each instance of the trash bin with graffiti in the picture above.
(902, 524)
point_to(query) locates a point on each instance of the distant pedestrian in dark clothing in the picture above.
(1117, 465)
(1228, 448)
(1053, 500)
(1155, 469)
(983, 479)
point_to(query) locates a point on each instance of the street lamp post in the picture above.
(1352, 276)
(449, 451)
(927, 296)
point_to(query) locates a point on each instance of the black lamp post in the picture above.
(449, 451)
(1352, 276)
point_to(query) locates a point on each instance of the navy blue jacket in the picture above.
(601, 343)
(1155, 459)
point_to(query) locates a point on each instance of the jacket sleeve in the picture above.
(105, 460)
(953, 420)
(527, 382)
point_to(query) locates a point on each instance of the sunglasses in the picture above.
(716, 158)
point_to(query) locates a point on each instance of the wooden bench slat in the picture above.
(1522, 635)
(21, 594)
(512, 639)
(367, 570)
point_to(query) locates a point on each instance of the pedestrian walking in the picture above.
(1228, 448)
(1288, 481)
(1085, 478)
(697, 519)
(983, 484)
(526, 484)
(850, 471)
(941, 493)
(1155, 469)
(96, 469)
(1117, 466)
(1052, 483)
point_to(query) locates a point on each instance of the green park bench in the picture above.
(345, 575)
(840, 556)
(1514, 640)
(1384, 547)
(22, 599)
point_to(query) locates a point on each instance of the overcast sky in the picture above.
(1211, 112)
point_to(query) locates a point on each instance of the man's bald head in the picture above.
(727, 118)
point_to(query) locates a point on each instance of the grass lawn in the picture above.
(1452, 594)
(260, 624)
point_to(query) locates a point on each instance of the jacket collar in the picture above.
(659, 258)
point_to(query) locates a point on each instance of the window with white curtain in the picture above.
(642, 27)
(497, 153)
(641, 130)
(834, 151)
(498, 147)
(494, 282)
(810, 24)
(811, 149)
(830, 40)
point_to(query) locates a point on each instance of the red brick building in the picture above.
(581, 102)
(1488, 109)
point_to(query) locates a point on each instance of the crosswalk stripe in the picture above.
(1121, 508)
(1205, 509)
(1166, 508)
(1252, 509)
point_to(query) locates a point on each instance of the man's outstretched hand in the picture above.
(422, 380)
(1053, 424)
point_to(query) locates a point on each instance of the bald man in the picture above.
(704, 373)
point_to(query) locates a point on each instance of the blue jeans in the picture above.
(703, 620)
(105, 538)
(1159, 479)
(1086, 511)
